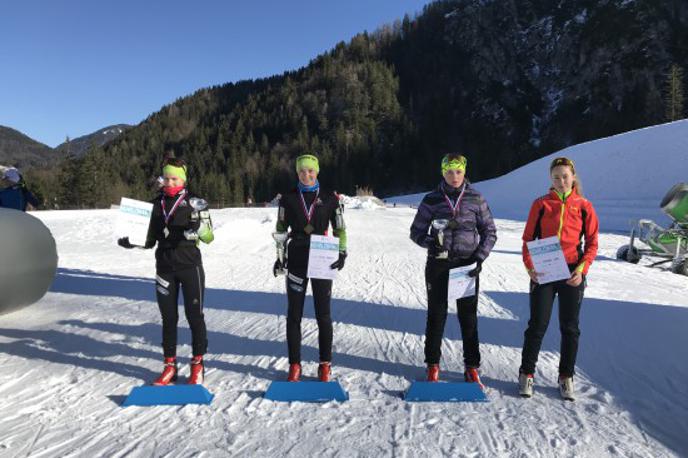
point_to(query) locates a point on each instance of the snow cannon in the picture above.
(671, 245)
(28, 259)
(675, 203)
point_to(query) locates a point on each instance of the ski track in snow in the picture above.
(69, 360)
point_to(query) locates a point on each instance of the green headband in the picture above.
(458, 163)
(179, 172)
(307, 161)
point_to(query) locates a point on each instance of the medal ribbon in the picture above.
(306, 210)
(166, 215)
(454, 207)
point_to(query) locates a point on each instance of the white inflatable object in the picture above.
(28, 259)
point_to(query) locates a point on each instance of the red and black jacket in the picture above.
(572, 219)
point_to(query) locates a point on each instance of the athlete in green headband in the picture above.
(173, 170)
(307, 161)
(454, 162)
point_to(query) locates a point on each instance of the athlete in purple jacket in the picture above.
(455, 224)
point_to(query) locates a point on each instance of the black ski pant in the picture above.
(297, 283)
(541, 304)
(192, 283)
(437, 282)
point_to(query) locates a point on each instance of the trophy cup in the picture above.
(199, 212)
(440, 225)
(280, 239)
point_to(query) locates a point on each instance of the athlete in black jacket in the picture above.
(178, 222)
(306, 210)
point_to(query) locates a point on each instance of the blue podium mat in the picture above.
(306, 392)
(445, 392)
(175, 395)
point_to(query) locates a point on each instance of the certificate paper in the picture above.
(133, 219)
(548, 260)
(323, 252)
(460, 284)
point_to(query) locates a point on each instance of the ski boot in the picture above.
(566, 388)
(196, 371)
(169, 373)
(525, 384)
(433, 372)
(294, 372)
(324, 370)
(471, 376)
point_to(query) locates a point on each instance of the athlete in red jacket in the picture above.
(564, 213)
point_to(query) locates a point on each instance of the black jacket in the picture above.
(292, 215)
(174, 251)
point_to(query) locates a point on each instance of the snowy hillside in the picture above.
(625, 176)
(69, 360)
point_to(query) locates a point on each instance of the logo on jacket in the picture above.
(319, 201)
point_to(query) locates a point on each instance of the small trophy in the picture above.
(440, 225)
(199, 211)
(280, 238)
(198, 204)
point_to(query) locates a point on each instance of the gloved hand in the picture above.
(339, 263)
(434, 250)
(124, 243)
(478, 268)
(278, 268)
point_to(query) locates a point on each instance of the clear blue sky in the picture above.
(72, 67)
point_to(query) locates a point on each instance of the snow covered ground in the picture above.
(69, 360)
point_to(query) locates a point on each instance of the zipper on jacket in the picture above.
(563, 198)
(561, 220)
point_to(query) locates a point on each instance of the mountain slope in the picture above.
(504, 82)
(80, 145)
(19, 150)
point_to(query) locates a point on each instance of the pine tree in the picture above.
(674, 93)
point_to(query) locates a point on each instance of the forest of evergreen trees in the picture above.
(381, 110)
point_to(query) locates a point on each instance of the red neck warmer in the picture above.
(172, 191)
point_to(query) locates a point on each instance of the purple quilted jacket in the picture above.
(475, 233)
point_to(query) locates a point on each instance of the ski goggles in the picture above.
(562, 161)
(307, 161)
(454, 162)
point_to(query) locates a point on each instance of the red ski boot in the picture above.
(294, 372)
(433, 372)
(197, 371)
(324, 370)
(471, 376)
(169, 373)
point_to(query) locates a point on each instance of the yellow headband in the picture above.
(456, 163)
(179, 172)
(307, 161)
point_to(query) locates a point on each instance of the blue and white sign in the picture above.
(324, 251)
(460, 284)
(133, 219)
(548, 260)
